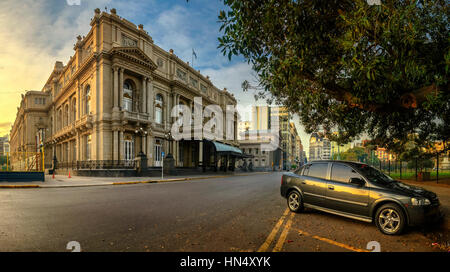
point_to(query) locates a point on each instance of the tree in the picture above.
(349, 67)
(357, 154)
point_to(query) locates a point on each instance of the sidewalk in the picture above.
(61, 181)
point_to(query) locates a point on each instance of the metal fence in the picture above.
(23, 162)
(433, 169)
(98, 164)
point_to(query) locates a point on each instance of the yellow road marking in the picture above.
(272, 234)
(283, 235)
(326, 240)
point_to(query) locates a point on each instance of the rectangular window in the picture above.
(318, 170)
(342, 173)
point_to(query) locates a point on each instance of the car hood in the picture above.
(411, 190)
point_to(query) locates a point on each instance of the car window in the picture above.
(373, 174)
(299, 170)
(318, 170)
(305, 170)
(342, 173)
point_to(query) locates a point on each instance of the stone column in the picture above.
(77, 147)
(115, 144)
(116, 87)
(120, 98)
(144, 95)
(150, 99)
(121, 148)
(150, 155)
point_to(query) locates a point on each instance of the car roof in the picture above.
(341, 161)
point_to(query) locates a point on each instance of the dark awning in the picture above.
(222, 148)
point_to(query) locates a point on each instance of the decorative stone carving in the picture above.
(193, 82)
(181, 75)
(128, 42)
(160, 62)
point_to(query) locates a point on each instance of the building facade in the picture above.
(4, 145)
(289, 144)
(112, 101)
(255, 147)
(319, 148)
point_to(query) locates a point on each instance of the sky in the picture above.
(35, 34)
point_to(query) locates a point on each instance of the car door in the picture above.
(344, 196)
(313, 183)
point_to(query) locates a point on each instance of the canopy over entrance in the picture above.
(225, 149)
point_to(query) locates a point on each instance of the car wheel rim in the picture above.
(294, 202)
(389, 220)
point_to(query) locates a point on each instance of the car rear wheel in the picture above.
(390, 219)
(294, 201)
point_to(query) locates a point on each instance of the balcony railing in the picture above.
(136, 116)
(98, 164)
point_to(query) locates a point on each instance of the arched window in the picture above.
(66, 115)
(59, 119)
(128, 95)
(159, 109)
(74, 109)
(87, 100)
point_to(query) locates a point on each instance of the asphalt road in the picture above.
(238, 213)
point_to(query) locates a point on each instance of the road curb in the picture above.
(19, 186)
(30, 186)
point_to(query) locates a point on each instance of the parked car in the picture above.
(359, 191)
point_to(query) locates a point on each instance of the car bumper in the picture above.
(422, 215)
(283, 191)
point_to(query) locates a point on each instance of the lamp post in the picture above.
(143, 134)
(55, 160)
(168, 137)
(168, 160)
(142, 165)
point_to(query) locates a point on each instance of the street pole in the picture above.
(162, 166)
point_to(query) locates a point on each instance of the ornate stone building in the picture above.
(113, 100)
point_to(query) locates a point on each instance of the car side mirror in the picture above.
(357, 181)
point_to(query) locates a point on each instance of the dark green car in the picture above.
(359, 191)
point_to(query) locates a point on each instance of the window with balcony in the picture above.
(128, 95)
(59, 120)
(74, 110)
(159, 109)
(66, 115)
(87, 100)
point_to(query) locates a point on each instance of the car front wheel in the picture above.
(390, 219)
(294, 201)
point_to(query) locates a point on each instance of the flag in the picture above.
(194, 54)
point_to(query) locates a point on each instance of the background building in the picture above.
(4, 145)
(319, 148)
(290, 143)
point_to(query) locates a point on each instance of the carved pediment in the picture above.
(134, 54)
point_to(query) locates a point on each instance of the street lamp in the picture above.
(168, 136)
(143, 134)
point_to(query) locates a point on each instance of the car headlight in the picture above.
(420, 201)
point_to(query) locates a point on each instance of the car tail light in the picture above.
(281, 180)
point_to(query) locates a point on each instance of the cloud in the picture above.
(5, 128)
(231, 77)
(34, 35)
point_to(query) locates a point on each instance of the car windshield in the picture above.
(373, 174)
